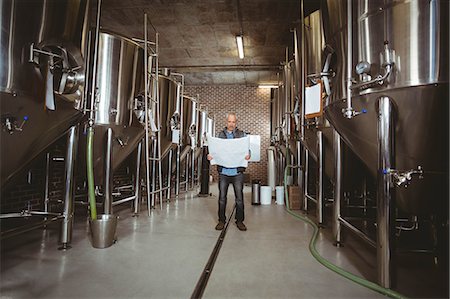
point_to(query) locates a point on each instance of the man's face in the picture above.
(231, 122)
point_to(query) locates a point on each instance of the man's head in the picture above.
(231, 121)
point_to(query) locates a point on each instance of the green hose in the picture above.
(327, 263)
(90, 173)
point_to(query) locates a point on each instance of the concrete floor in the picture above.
(162, 256)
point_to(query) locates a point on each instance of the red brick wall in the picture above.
(252, 106)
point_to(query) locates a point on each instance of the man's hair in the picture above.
(231, 113)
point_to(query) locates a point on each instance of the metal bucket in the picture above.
(103, 231)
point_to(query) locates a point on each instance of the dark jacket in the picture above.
(236, 134)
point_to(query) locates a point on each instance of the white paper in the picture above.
(313, 98)
(255, 148)
(229, 153)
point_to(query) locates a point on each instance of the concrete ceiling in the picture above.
(197, 37)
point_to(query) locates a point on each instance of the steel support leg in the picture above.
(65, 236)
(320, 165)
(137, 180)
(385, 194)
(108, 181)
(337, 188)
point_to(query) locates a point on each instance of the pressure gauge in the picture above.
(363, 67)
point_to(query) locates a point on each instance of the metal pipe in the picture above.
(147, 148)
(357, 232)
(348, 112)
(47, 174)
(178, 174)
(108, 179)
(320, 161)
(186, 170)
(193, 171)
(137, 179)
(65, 236)
(153, 175)
(121, 201)
(302, 71)
(385, 194)
(159, 121)
(305, 186)
(169, 175)
(336, 225)
(94, 67)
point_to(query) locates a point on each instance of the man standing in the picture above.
(233, 176)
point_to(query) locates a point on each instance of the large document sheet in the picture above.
(255, 148)
(229, 153)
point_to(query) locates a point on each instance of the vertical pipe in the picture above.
(349, 57)
(186, 169)
(169, 175)
(137, 180)
(305, 181)
(47, 175)
(385, 194)
(94, 67)
(177, 183)
(320, 160)
(65, 236)
(159, 124)
(108, 185)
(153, 190)
(147, 146)
(193, 170)
(337, 188)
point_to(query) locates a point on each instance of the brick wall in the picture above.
(252, 106)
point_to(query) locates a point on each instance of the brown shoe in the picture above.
(220, 225)
(241, 226)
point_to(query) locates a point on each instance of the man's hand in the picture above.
(247, 157)
(209, 157)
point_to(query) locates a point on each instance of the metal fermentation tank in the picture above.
(411, 38)
(119, 83)
(41, 77)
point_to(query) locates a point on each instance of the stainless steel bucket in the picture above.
(103, 231)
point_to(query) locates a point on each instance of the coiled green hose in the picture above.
(90, 172)
(327, 263)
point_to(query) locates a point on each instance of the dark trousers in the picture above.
(238, 185)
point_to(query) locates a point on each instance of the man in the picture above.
(233, 176)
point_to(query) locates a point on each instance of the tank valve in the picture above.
(350, 112)
(9, 123)
(404, 178)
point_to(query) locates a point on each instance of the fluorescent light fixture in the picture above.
(240, 46)
(266, 85)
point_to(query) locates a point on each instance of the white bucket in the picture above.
(266, 195)
(279, 191)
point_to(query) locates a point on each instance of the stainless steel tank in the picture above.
(170, 101)
(119, 81)
(412, 37)
(41, 76)
(190, 122)
(190, 115)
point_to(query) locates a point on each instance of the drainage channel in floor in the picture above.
(203, 280)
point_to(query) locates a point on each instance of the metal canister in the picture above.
(256, 191)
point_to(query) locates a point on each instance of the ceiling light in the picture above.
(267, 85)
(240, 46)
